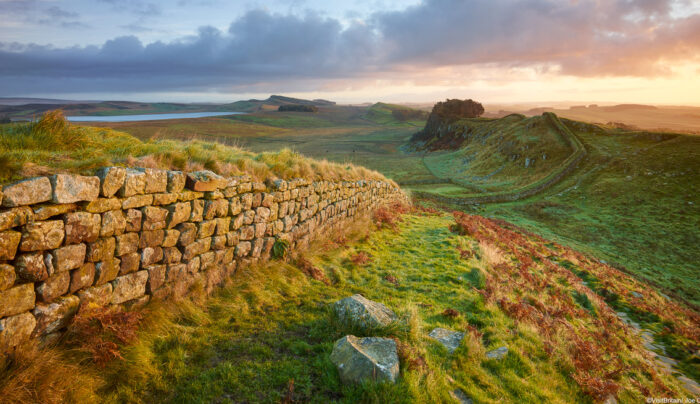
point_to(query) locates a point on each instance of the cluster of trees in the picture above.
(457, 109)
(297, 108)
(408, 114)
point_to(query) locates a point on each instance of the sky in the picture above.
(495, 51)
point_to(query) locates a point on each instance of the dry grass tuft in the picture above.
(361, 259)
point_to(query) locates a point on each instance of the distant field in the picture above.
(633, 200)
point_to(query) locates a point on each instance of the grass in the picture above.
(268, 335)
(51, 144)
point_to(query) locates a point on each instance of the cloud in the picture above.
(265, 49)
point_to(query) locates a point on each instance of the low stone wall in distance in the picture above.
(126, 236)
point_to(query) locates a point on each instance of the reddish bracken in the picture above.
(361, 259)
(310, 270)
(101, 331)
(451, 313)
(390, 215)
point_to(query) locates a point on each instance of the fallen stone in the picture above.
(56, 315)
(448, 338)
(363, 312)
(27, 192)
(366, 359)
(129, 287)
(111, 179)
(498, 353)
(461, 397)
(205, 181)
(9, 241)
(42, 235)
(17, 300)
(15, 330)
(74, 188)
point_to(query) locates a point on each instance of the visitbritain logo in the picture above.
(666, 400)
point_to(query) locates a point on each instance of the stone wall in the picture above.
(126, 236)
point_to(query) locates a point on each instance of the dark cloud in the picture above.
(584, 37)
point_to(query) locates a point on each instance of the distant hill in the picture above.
(274, 102)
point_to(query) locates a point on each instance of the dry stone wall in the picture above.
(126, 236)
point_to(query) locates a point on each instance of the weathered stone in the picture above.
(69, 257)
(247, 232)
(193, 265)
(247, 201)
(257, 200)
(186, 196)
(171, 255)
(138, 303)
(101, 250)
(205, 181)
(230, 191)
(206, 228)
(363, 312)
(151, 238)
(133, 220)
(232, 238)
(69, 188)
(260, 229)
(216, 208)
(248, 217)
(82, 277)
(156, 277)
(267, 200)
(15, 330)
(16, 217)
(218, 242)
(498, 353)
(47, 211)
(277, 185)
(243, 248)
(42, 235)
(178, 213)
(188, 234)
(126, 243)
(256, 248)
(129, 287)
(154, 218)
(176, 181)
(56, 315)
(164, 199)
(17, 300)
(151, 255)
(197, 214)
(7, 276)
(9, 241)
(134, 183)
(156, 180)
(27, 192)
(137, 201)
(235, 206)
(237, 222)
(102, 205)
(106, 271)
(113, 223)
(130, 263)
(97, 295)
(245, 186)
(171, 237)
(57, 285)
(111, 180)
(31, 267)
(82, 226)
(366, 359)
(207, 260)
(196, 248)
(213, 195)
(449, 339)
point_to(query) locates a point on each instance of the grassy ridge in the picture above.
(51, 145)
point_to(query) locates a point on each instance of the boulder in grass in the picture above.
(363, 312)
(366, 359)
(498, 353)
(448, 338)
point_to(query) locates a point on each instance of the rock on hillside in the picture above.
(363, 359)
(363, 312)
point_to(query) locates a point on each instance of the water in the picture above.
(146, 117)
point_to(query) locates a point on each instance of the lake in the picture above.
(146, 117)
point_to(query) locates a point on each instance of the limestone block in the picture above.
(178, 213)
(69, 188)
(101, 250)
(156, 180)
(42, 235)
(128, 287)
(134, 183)
(126, 243)
(96, 296)
(106, 271)
(55, 286)
(31, 267)
(111, 180)
(17, 300)
(82, 226)
(69, 257)
(176, 181)
(133, 220)
(27, 192)
(15, 330)
(130, 263)
(82, 277)
(9, 242)
(56, 315)
(15, 217)
(205, 181)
